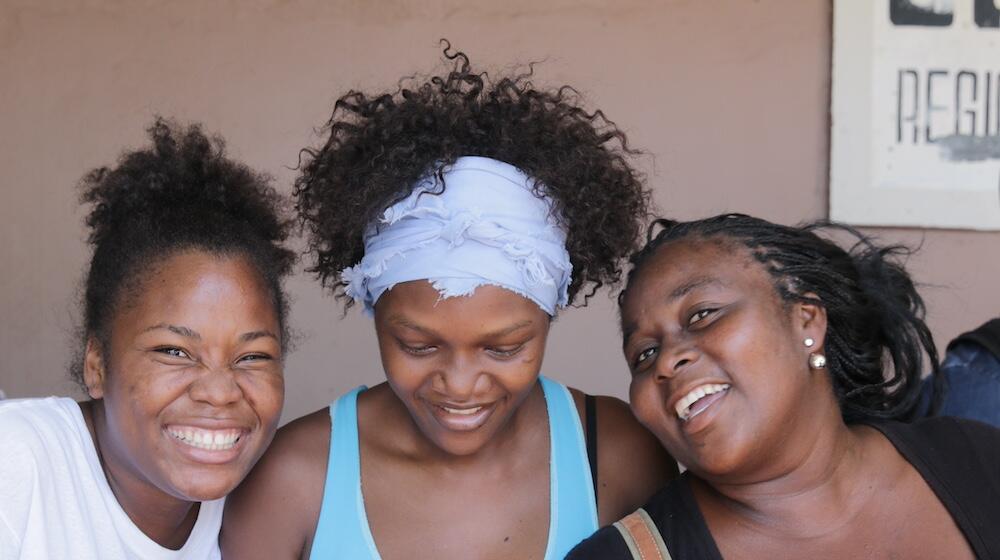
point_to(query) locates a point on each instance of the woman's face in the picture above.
(719, 367)
(192, 382)
(460, 365)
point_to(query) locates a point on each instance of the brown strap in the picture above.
(642, 537)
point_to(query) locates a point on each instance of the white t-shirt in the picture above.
(55, 501)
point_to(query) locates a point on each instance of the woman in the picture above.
(462, 214)
(773, 364)
(184, 335)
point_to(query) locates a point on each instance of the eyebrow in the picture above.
(693, 284)
(254, 335)
(183, 331)
(677, 293)
(406, 323)
(508, 330)
(401, 321)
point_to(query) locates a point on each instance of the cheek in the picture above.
(401, 368)
(525, 366)
(405, 371)
(647, 404)
(145, 394)
(267, 395)
(520, 379)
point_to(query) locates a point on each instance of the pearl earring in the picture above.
(809, 342)
(817, 360)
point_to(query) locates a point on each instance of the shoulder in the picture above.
(23, 417)
(606, 544)
(273, 512)
(631, 463)
(676, 516)
(959, 459)
(963, 437)
(942, 437)
(35, 435)
(31, 428)
(618, 431)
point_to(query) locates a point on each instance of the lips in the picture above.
(207, 445)
(698, 399)
(462, 418)
(462, 411)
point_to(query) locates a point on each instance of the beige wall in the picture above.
(730, 96)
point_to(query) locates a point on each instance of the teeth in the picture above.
(462, 411)
(212, 440)
(683, 406)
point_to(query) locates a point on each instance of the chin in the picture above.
(208, 493)
(715, 465)
(204, 487)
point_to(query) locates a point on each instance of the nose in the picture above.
(461, 379)
(217, 387)
(673, 361)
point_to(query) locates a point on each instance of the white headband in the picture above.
(487, 227)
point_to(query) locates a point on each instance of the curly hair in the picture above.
(874, 311)
(381, 144)
(181, 193)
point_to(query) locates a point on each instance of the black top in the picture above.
(959, 459)
(987, 336)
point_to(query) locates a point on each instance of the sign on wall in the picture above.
(915, 137)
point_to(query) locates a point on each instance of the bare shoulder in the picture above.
(273, 513)
(631, 463)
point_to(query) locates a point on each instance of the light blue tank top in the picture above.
(343, 531)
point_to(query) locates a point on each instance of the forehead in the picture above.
(419, 300)
(687, 264)
(198, 279)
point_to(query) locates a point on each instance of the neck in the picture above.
(808, 489)
(165, 519)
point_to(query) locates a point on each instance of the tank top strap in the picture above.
(573, 513)
(342, 530)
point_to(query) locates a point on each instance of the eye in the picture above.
(173, 352)
(417, 349)
(505, 351)
(699, 315)
(643, 356)
(256, 357)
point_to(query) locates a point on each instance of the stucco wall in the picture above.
(730, 98)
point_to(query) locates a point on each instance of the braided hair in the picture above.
(381, 143)
(179, 194)
(874, 313)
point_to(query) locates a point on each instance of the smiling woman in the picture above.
(461, 212)
(183, 341)
(781, 370)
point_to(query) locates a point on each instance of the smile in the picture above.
(462, 419)
(211, 440)
(699, 399)
(462, 411)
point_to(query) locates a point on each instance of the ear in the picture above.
(809, 321)
(94, 371)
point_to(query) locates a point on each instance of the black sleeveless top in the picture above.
(959, 459)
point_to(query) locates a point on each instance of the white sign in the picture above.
(915, 137)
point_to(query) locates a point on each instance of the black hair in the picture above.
(181, 193)
(874, 312)
(381, 144)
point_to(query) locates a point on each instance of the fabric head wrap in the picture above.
(487, 227)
